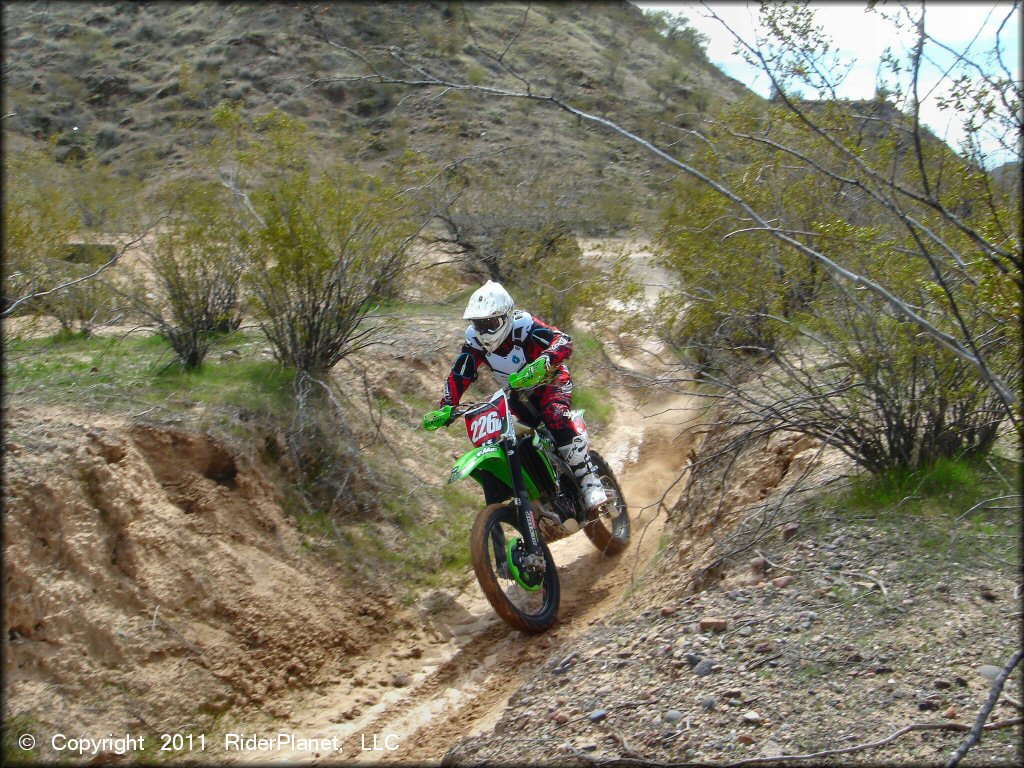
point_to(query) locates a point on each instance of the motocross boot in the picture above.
(577, 455)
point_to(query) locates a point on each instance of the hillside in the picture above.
(125, 82)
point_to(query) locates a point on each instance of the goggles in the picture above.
(488, 324)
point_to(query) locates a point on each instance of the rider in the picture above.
(508, 340)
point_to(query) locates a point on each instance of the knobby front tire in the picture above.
(607, 526)
(527, 611)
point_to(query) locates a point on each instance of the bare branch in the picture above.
(499, 59)
(916, 109)
(756, 53)
(769, 229)
(63, 286)
(979, 724)
(242, 195)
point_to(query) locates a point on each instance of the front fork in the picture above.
(522, 500)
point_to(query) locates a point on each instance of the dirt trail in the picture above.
(424, 690)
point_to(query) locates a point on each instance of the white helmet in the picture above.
(490, 308)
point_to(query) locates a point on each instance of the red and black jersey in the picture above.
(529, 339)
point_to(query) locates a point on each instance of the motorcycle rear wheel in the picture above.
(530, 611)
(607, 527)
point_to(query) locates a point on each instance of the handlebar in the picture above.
(533, 374)
(436, 419)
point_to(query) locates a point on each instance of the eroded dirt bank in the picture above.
(153, 582)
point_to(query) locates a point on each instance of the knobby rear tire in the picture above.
(608, 532)
(495, 589)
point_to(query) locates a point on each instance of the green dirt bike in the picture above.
(522, 475)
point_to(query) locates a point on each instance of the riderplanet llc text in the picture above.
(278, 742)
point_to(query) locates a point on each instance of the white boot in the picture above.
(577, 456)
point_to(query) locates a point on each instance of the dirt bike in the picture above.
(522, 475)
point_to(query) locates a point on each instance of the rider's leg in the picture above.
(577, 455)
(571, 439)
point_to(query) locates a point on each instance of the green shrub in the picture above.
(328, 244)
(794, 349)
(197, 265)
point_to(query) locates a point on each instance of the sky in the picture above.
(861, 36)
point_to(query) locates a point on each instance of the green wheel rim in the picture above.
(515, 571)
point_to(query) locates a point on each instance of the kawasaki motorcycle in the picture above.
(532, 497)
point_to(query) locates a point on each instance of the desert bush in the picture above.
(547, 268)
(108, 136)
(520, 229)
(484, 214)
(796, 350)
(548, 275)
(199, 87)
(81, 306)
(43, 221)
(196, 267)
(330, 246)
(372, 99)
(335, 91)
(475, 74)
(614, 208)
(106, 201)
(328, 241)
(320, 448)
(70, 147)
(731, 287)
(39, 220)
(146, 32)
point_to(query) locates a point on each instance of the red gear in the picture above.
(552, 401)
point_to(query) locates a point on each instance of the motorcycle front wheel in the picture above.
(607, 527)
(528, 603)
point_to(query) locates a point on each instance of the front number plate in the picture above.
(487, 423)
